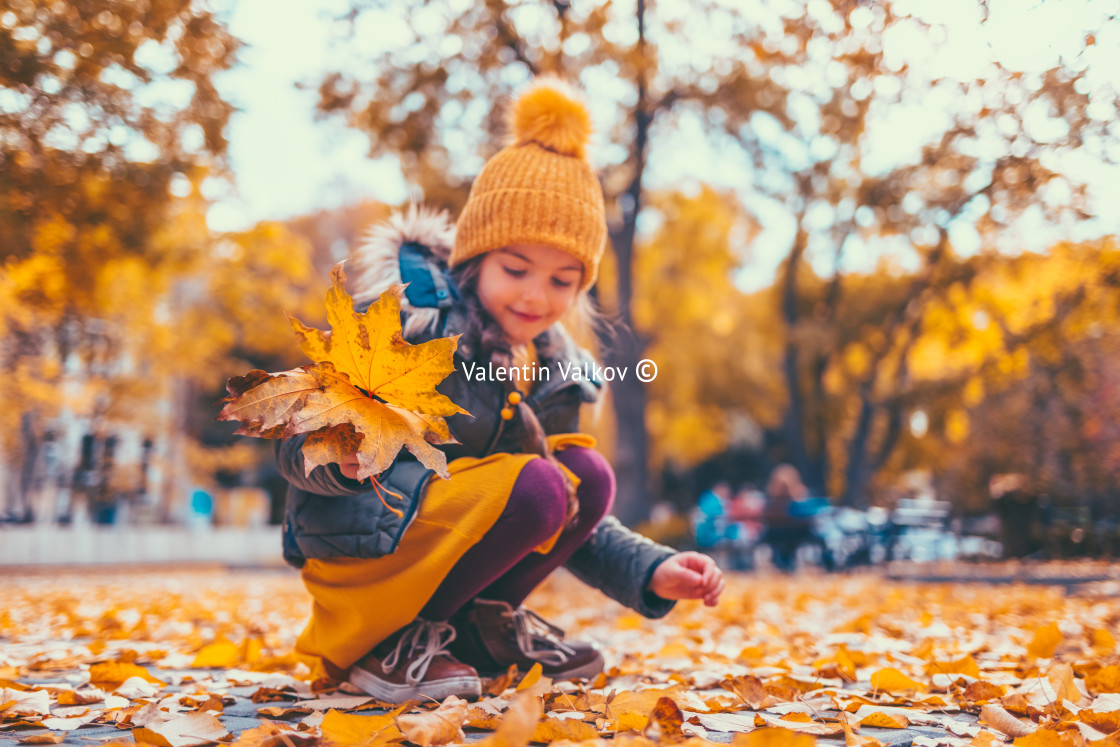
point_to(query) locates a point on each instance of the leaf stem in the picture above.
(383, 491)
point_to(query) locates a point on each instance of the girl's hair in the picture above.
(583, 316)
(493, 345)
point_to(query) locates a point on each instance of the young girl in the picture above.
(421, 605)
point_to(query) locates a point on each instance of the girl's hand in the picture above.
(688, 575)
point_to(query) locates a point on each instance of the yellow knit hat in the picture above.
(541, 189)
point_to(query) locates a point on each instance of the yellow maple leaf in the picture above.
(369, 350)
(367, 391)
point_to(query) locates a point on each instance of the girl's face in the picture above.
(526, 288)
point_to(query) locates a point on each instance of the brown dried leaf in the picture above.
(441, 726)
(665, 722)
(1002, 721)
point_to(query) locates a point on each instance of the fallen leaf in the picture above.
(110, 675)
(890, 679)
(965, 665)
(773, 737)
(1103, 642)
(218, 655)
(1062, 680)
(81, 697)
(1107, 680)
(554, 729)
(185, 731)
(1045, 642)
(45, 738)
(519, 724)
(1050, 738)
(732, 722)
(851, 739)
(274, 735)
(665, 721)
(1002, 721)
(438, 727)
(531, 677)
(749, 689)
(498, 685)
(1108, 722)
(885, 720)
(24, 702)
(283, 713)
(351, 729)
(815, 728)
(981, 691)
(985, 739)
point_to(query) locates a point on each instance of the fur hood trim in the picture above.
(375, 265)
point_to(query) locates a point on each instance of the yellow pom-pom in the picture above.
(507, 413)
(514, 398)
(548, 113)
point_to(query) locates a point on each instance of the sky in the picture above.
(286, 164)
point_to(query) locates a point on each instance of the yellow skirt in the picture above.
(359, 602)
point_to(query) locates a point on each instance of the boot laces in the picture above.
(430, 638)
(532, 629)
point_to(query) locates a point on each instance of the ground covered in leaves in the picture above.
(197, 657)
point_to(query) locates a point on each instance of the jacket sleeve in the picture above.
(621, 563)
(323, 480)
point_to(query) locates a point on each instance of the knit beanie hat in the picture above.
(541, 189)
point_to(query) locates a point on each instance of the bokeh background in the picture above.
(873, 240)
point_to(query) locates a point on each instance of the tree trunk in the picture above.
(632, 448)
(858, 474)
(793, 426)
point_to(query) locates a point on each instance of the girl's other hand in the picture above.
(688, 575)
(349, 466)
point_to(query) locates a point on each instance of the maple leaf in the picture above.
(367, 390)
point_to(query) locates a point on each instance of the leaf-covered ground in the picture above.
(193, 657)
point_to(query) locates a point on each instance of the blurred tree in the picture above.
(805, 97)
(1034, 346)
(687, 306)
(106, 109)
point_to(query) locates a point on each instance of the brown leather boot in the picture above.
(493, 635)
(414, 663)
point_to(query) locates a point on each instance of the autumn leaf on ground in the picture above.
(773, 737)
(851, 739)
(892, 680)
(433, 728)
(110, 675)
(1045, 642)
(348, 729)
(1001, 720)
(185, 731)
(665, 722)
(366, 390)
(518, 724)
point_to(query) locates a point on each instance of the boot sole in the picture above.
(388, 692)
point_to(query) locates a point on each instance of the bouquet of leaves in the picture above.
(367, 391)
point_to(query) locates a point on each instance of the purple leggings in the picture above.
(502, 565)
